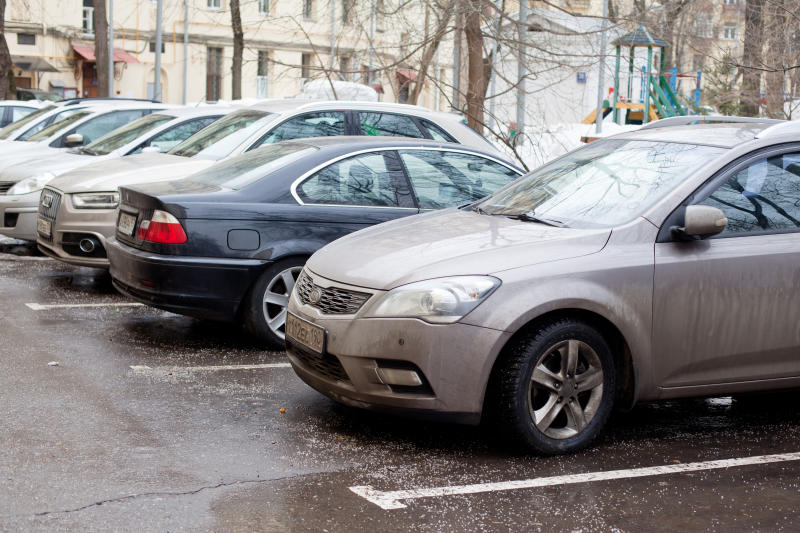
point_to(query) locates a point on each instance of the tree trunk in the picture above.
(476, 74)
(775, 78)
(750, 97)
(430, 50)
(6, 68)
(101, 47)
(238, 48)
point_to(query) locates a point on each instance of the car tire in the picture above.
(265, 311)
(565, 406)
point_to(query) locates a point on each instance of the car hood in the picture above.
(55, 164)
(128, 170)
(17, 165)
(447, 243)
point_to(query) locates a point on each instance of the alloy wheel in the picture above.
(276, 299)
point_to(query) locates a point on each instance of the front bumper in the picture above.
(18, 214)
(455, 361)
(202, 287)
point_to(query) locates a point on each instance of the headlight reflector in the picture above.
(440, 301)
(96, 200)
(34, 183)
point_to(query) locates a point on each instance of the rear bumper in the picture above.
(18, 215)
(73, 225)
(202, 287)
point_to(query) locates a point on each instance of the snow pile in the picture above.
(345, 90)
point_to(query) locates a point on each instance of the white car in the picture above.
(243, 130)
(13, 110)
(153, 133)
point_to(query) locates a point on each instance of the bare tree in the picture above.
(6, 67)
(101, 47)
(238, 48)
(476, 76)
(751, 58)
(432, 42)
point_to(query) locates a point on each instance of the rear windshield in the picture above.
(122, 136)
(221, 137)
(6, 132)
(58, 125)
(240, 171)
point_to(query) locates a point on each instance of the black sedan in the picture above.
(229, 242)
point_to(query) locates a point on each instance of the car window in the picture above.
(389, 125)
(30, 118)
(97, 127)
(442, 179)
(360, 180)
(322, 124)
(437, 133)
(39, 126)
(167, 140)
(220, 138)
(126, 134)
(19, 112)
(763, 197)
(56, 126)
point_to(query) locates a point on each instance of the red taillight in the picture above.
(163, 228)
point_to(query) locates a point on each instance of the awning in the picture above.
(86, 51)
(32, 64)
(407, 73)
(378, 88)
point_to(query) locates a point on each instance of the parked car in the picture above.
(152, 133)
(228, 243)
(656, 264)
(24, 94)
(237, 133)
(13, 110)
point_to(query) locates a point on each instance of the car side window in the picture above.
(97, 127)
(321, 124)
(388, 125)
(437, 133)
(19, 112)
(443, 179)
(763, 197)
(167, 140)
(365, 180)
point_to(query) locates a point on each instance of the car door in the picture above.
(445, 178)
(356, 192)
(726, 308)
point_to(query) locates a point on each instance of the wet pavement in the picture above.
(152, 421)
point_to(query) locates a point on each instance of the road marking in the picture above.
(45, 307)
(143, 369)
(392, 499)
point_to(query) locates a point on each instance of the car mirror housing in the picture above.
(76, 139)
(700, 221)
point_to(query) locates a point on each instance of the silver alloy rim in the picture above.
(276, 299)
(566, 389)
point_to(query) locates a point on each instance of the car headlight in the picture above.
(34, 183)
(440, 301)
(96, 200)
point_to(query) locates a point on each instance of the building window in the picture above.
(698, 62)
(308, 9)
(730, 2)
(729, 32)
(305, 67)
(348, 11)
(702, 27)
(262, 78)
(26, 38)
(214, 4)
(214, 74)
(88, 17)
(153, 47)
(263, 7)
(345, 66)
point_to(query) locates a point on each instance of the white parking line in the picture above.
(392, 499)
(144, 369)
(45, 307)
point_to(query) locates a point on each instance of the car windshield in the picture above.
(240, 171)
(122, 136)
(57, 126)
(6, 132)
(603, 184)
(219, 138)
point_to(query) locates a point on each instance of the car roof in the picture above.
(297, 104)
(724, 135)
(23, 103)
(352, 143)
(204, 111)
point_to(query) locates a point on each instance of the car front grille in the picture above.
(5, 185)
(329, 300)
(49, 211)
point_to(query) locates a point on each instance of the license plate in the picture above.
(126, 223)
(305, 333)
(44, 227)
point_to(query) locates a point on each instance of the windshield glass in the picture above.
(603, 184)
(6, 132)
(122, 136)
(57, 126)
(218, 139)
(240, 171)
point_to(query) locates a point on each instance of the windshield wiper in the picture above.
(532, 217)
(87, 151)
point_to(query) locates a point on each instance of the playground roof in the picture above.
(640, 37)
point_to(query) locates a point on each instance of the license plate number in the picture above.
(44, 227)
(305, 333)
(126, 223)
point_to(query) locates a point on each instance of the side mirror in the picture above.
(76, 139)
(700, 221)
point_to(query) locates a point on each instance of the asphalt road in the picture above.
(152, 421)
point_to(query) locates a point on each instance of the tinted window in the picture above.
(97, 127)
(437, 133)
(223, 136)
(765, 196)
(360, 180)
(325, 124)
(36, 128)
(126, 134)
(56, 126)
(19, 112)
(387, 124)
(442, 179)
(28, 119)
(167, 140)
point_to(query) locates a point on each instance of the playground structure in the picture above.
(658, 91)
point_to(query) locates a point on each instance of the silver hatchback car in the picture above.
(657, 264)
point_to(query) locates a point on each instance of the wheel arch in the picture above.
(240, 310)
